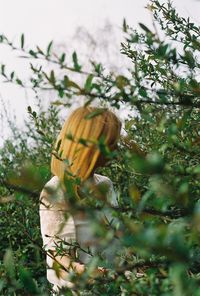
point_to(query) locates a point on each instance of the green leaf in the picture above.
(61, 92)
(33, 53)
(94, 113)
(69, 136)
(9, 263)
(180, 280)
(77, 67)
(58, 145)
(19, 81)
(121, 81)
(103, 147)
(125, 27)
(197, 169)
(97, 67)
(29, 109)
(52, 77)
(162, 49)
(40, 50)
(27, 281)
(83, 142)
(34, 114)
(143, 92)
(22, 41)
(69, 184)
(145, 28)
(3, 70)
(12, 75)
(88, 83)
(2, 285)
(69, 83)
(62, 58)
(57, 103)
(155, 162)
(189, 58)
(49, 47)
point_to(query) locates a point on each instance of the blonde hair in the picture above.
(78, 138)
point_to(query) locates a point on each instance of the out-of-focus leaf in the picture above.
(9, 263)
(134, 193)
(27, 281)
(121, 81)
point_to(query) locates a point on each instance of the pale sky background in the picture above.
(44, 20)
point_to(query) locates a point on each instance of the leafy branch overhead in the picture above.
(162, 73)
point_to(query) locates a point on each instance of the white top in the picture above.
(57, 224)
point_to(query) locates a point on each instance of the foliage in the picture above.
(155, 170)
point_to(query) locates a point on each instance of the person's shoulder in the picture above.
(101, 178)
(53, 182)
(111, 194)
(52, 194)
(104, 180)
(51, 187)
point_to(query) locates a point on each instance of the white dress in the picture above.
(57, 224)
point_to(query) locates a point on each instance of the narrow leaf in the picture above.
(125, 27)
(94, 113)
(77, 67)
(144, 28)
(19, 81)
(52, 77)
(88, 83)
(22, 41)
(49, 47)
(9, 263)
(62, 58)
(27, 281)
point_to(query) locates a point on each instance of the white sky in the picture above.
(44, 20)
